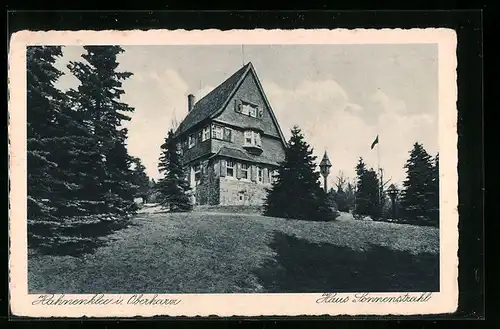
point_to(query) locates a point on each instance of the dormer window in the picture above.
(253, 138)
(253, 141)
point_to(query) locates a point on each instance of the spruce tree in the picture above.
(367, 191)
(106, 182)
(296, 193)
(141, 179)
(418, 191)
(44, 103)
(173, 187)
(433, 204)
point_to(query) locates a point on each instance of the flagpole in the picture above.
(378, 171)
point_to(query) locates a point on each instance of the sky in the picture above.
(341, 96)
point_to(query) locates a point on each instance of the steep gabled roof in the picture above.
(214, 102)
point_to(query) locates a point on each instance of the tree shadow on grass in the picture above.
(304, 267)
(76, 240)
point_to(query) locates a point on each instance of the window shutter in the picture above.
(238, 170)
(265, 176)
(253, 173)
(223, 168)
(237, 105)
(260, 112)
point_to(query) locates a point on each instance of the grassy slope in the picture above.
(214, 253)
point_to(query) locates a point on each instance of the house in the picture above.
(231, 142)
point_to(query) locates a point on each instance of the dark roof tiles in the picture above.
(239, 154)
(213, 101)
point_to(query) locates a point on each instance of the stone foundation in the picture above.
(241, 192)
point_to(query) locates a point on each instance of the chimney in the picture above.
(191, 100)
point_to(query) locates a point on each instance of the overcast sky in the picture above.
(341, 96)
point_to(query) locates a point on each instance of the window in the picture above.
(179, 148)
(253, 138)
(197, 172)
(217, 132)
(249, 109)
(257, 138)
(192, 141)
(260, 175)
(227, 134)
(273, 176)
(248, 137)
(245, 109)
(206, 133)
(230, 168)
(244, 171)
(253, 111)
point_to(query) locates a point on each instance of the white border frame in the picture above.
(445, 301)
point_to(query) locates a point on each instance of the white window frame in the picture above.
(273, 175)
(255, 138)
(246, 171)
(245, 109)
(231, 167)
(248, 134)
(250, 109)
(217, 129)
(253, 111)
(197, 170)
(260, 175)
(206, 134)
(258, 138)
(192, 141)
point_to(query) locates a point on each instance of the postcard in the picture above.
(233, 173)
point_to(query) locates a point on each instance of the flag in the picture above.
(375, 142)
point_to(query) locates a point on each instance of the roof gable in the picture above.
(213, 101)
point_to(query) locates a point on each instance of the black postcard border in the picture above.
(467, 24)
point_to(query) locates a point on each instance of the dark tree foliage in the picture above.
(420, 195)
(141, 179)
(367, 191)
(106, 181)
(434, 196)
(296, 193)
(44, 107)
(173, 188)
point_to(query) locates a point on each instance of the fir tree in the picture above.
(106, 182)
(296, 193)
(418, 191)
(44, 104)
(433, 204)
(367, 191)
(173, 187)
(141, 179)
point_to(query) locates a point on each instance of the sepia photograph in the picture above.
(163, 171)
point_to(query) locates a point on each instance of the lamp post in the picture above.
(324, 167)
(393, 193)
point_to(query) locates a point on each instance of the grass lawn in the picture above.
(243, 253)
